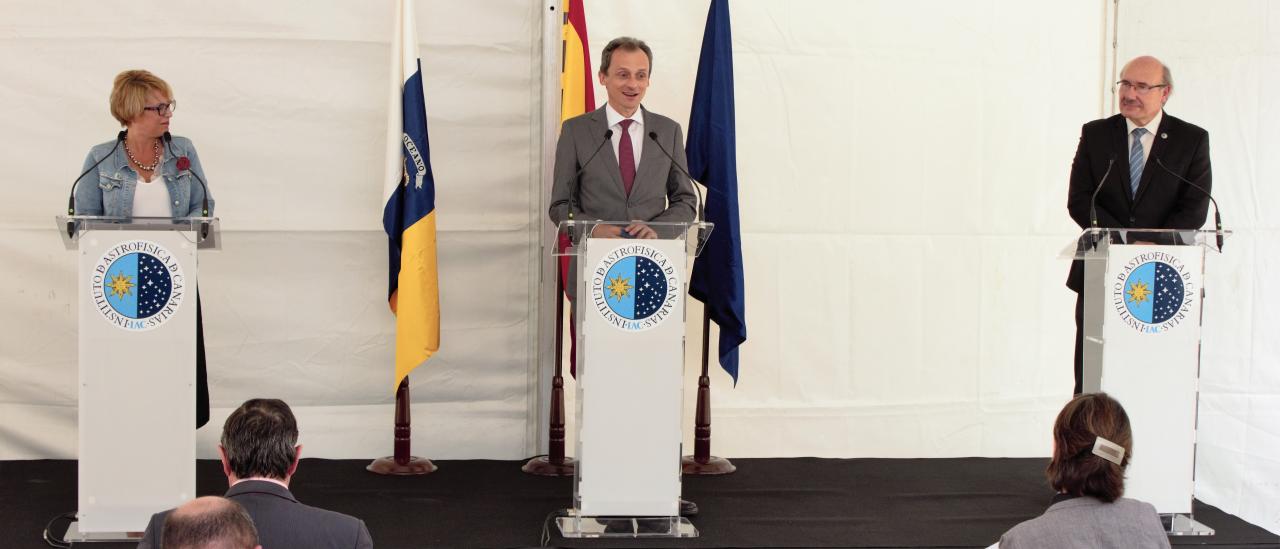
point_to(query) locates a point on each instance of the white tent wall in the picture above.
(903, 171)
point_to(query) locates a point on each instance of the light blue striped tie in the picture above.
(1136, 161)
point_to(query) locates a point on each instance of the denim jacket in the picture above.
(108, 190)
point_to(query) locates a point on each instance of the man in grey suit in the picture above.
(639, 182)
(259, 456)
(642, 180)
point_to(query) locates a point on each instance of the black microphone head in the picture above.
(168, 137)
(120, 136)
(653, 136)
(608, 134)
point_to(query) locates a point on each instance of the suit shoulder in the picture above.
(101, 149)
(1024, 530)
(656, 120)
(1136, 506)
(182, 143)
(583, 119)
(1179, 125)
(331, 517)
(1103, 124)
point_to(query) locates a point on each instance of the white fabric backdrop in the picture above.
(903, 181)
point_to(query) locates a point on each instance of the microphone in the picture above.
(702, 235)
(71, 199)
(574, 182)
(204, 198)
(1093, 201)
(1217, 212)
(653, 136)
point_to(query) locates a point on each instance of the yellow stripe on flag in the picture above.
(418, 322)
(573, 100)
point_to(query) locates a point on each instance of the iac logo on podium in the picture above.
(137, 285)
(635, 288)
(1153, 293)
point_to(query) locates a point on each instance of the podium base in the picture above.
(1177, 524)
(543, 466)
(714, 466)
(573, 526)
(388, 466)
(74, 535)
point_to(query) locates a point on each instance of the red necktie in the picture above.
(626, 157)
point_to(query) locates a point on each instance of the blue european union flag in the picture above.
(717, 279)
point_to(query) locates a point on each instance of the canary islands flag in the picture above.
(409, 214)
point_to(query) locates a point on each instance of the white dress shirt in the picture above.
(636, 130)
(1147, 140)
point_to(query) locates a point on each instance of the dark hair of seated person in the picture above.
(1075, 470)
(259, 438)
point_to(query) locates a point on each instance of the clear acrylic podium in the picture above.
(629, 306)
(1142, 299)
(136, 283)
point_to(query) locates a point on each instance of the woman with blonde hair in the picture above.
(147, 172)
(1092, 446)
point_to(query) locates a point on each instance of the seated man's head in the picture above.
(209, 522)
(1092, 445)
(260, 440)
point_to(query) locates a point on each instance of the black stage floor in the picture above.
(798, 502)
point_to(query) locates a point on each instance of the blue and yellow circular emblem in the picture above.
(1153, 292)
(635, 287)
(137, 285)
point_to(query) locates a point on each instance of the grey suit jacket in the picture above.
(658, 193)
(1088, 523)
(281, 521)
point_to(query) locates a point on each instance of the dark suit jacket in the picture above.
(282, 522)
(658, 193)
(1162, 201)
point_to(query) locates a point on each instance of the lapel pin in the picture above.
(1164, 136)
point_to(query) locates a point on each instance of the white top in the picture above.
(637, 131)
(1149, 138)
(151, 198)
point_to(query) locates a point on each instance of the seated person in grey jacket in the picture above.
(260, 453)
(1092, 445)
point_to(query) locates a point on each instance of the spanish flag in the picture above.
(409, 215)
(577, 96)
(577, 89)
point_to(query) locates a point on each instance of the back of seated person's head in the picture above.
(259, 439)
(209, 522)
(1075, 468)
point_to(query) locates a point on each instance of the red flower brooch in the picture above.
(184, 163)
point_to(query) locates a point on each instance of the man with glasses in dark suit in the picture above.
(1147, 150)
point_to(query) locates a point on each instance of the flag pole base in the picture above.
(543, 466)
(713, 466)
(414, 466)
